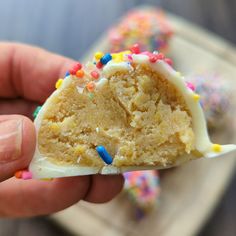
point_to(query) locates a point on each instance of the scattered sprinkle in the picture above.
(36, 111)
(216, 147)
(90, 86)
(118, 58)
(98, 55)
(130, 58)
(72, 71)
(99, 65)
(18, 174)
(80, 73)
(190, 86)
(67, 73)
(23, 174)
(160, 56)
(106, 58)
(102, 152)
(47, 179)
(95, 74)
(26, 175)
(59, 83)
(135, 48)
(153, 58)
(196, 97)
(168, 61)
(77, 66)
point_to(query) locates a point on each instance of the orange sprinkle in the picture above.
(18, 174)
(90, 86)
(80, 73)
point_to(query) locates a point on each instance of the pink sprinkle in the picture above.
(78, 66)
(153, 58)
(168, 61)
(190, 86)
(135, 49)
(130, 57)
(95, 74)
(72, 71)
(160, 56)
(26, 175)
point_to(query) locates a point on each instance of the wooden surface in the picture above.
(64, 27)
(193, 189)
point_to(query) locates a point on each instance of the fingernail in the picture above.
(10, 140)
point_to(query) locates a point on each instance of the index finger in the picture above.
(29, 72)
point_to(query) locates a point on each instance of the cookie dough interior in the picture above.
(138, 116)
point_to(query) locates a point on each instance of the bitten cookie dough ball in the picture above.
(120, 112)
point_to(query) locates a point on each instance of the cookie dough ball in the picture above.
(216, 98)
(148, 27)
(143, 190)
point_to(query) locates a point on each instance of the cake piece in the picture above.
(120, 112)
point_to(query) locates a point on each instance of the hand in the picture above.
(27, 77)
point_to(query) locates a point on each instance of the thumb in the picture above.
(17, 144)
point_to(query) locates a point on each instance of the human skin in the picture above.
(27, 78)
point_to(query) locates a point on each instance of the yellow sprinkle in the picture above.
(59, 83)
(118, 59)
(216, 147)
(114, 55)
(98, 55)
(196, 97)
(126, 52)
(47, 179)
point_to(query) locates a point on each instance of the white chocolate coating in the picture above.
(42, 168)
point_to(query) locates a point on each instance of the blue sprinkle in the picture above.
(104, 154)
(67, 74)
(106, 58)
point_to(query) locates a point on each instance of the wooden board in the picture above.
(190, 192)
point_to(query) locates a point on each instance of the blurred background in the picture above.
(70, 27)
